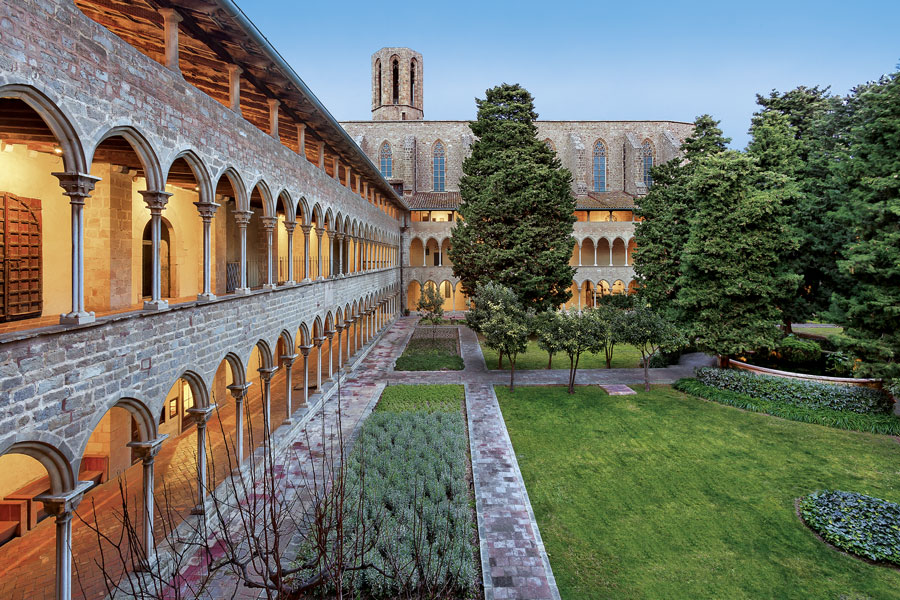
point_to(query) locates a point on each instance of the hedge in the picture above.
(811, 394)
(860, 524)
(886, 424)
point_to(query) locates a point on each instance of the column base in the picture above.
(320, 278)
(288, 421)
(147, 564)
(77, 318)
(269, 286)
(305, 280)
(206, 297)
(156, 304)
(199, 510)
(242, 291)
(291, 282)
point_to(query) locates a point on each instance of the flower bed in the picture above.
(887, 424)
(809, 394)
(861, 525)
(431, 349)
(410, 462)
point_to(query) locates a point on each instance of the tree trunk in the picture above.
(571, 375)
(609, 351)
(646, 372)
(550, 361)
(786, 327)
(724, 361)
(512, 374)
(499, 360)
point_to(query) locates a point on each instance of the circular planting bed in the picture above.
(861, 525)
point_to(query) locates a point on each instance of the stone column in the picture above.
(304, 350)
(305, 229)
(156, 202)
(269, 224)
(289, 228)
(242, 218)
(239, 392)
(339, 329)
(62, 506)
(265, 374)
(329, 335)
(322, 155)
(287, 360)
(578, 246)
(234, 87)
(319, 232)
(147, 452)
(171, 19)
(339, 237)
(201, 416)
(273, 118)
(318, 344)
(301, 139)
(207, 212)
(610, 253)
(78, 187)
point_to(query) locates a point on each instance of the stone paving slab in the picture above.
(513, 559)
(618, 390)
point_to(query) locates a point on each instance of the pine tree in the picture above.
(517, 207)
(731, 277)
(665, 212)
(869, 174)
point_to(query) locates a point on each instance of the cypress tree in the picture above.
(517, 207)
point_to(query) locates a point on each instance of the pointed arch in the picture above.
(145, 153)
(647, 156)
(598, 166)
(438, 164)
(242, 201)
(386, 160)
(57, 462)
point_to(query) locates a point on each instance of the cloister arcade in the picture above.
(603, 252)
(455, 299)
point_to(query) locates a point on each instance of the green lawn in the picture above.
(663, 495)
(425, 354)
(625, 356)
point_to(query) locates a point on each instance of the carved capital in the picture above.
(239, 390)
(306, 229)
(207, 210)
(305, 350)
(317, 342)
(147, 451)
(289, 226)
(269, 223)
(201, 414)
(155, 201)
(77, 186)
(242, 217)
(266, 373)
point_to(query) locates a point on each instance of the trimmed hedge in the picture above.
(424, 398)
(886, 424)
(811, 394)
(862, 525)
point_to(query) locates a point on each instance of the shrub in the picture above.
(427, 398)
(859, 524)
(886, 424)
(840, 364)
(800, 351)
(811, 394)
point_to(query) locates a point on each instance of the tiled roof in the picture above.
(605, 201)
(433, 201)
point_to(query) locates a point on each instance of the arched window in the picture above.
(438, 164)
(599, 166)
(549, 143)
(412, 82)
(387, 166)
(647, 154)
(378, 99)
(395, 71)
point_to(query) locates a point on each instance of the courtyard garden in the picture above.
(624, 357)
(665, 495)
(431, 348)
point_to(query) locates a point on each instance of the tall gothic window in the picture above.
(412, 82)
(647, 153)
(395, 72)
(379, 99)
(438, 166)
(387, 162)
(599, 167)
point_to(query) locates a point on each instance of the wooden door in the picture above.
(20, 257)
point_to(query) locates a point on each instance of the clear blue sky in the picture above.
(591, 60)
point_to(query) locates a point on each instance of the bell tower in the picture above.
(397, 85)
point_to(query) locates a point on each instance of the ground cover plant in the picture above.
(430, 352)
(624, 357)
(883, 423)
(411, 458)
(811, 394)
(859, 524)
(663, 495)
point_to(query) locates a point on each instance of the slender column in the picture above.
(329, 335)
(347, 169)
(269, 224)
(322, 155)
(265, 374)
(234, 87)
(424, 258)
(318, 344)
(339, 329)
(336, 165)
(273, 118)
(597, 254)
(305, 229)
(578, 246)
(201, 416)
(62, 507)
(239, 392)
(207, 212)
(156, 202)
(301, 138)
(78, 187)
(147, 452)
(171, 19)
(242, 218)
(287, 360)
(289, 228)
(340, 243)
(610, 254)
(304, 351)
(319, 232)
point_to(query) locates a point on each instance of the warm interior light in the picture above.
(57, 150)
(196, 188)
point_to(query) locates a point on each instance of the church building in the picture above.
(610, 162)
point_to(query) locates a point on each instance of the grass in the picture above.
(431, 398)
(664, 495)
(624, 357)
(425, 354)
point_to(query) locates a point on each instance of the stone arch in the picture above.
(304, 337)
(55, 119)
(287, 205)
(242, 200)
(198, 388)
(619, 252)
(301, 210)
(268, 202)
(152, 169)
(201, 173)
(266, 358)
(57, 461)
(287, 339)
